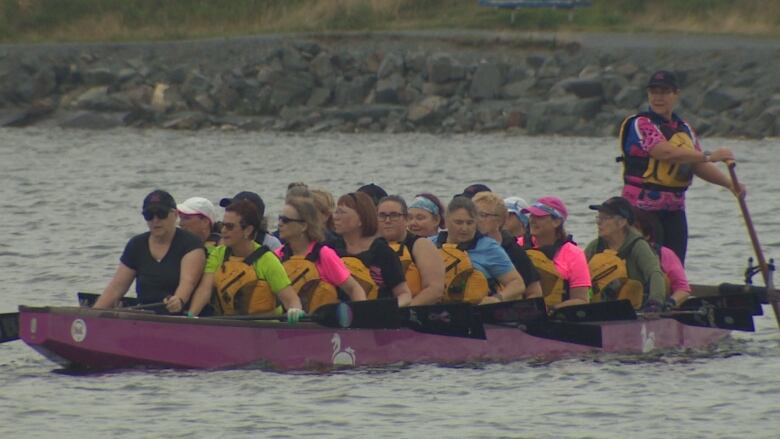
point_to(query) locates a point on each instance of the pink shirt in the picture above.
(330, 266)
(649, 136)
(572, 265)
(673, 268)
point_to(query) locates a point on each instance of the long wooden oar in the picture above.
(771, 293)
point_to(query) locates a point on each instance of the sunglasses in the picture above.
(286, 220)
(392, 216)
(151, 213)
(231, 226)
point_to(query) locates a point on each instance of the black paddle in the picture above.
(736, 319)
(745, 301)
(530, 315)
(453, 320)
(9, 327)
(596, 312)
(88, 300)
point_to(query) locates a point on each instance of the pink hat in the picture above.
(198, 206)
(544, 206)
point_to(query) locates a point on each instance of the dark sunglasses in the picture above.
(151, 213)
(286, 220)
(230, 226)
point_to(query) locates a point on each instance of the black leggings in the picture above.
(675, 231)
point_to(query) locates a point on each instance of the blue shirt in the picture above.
(488, 257)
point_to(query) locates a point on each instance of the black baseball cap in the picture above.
(663, 78)
(616, 206)
(160, 199)
(249, 196)
(375, 192)
(474, 189)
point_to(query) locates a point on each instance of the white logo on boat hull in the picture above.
(339, 357)
(648, 340)
(78, 330)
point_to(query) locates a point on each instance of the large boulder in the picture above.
(487, 81)
(392, 64)
(427, 110)
(388, 88)
(722, 99)
(353, 92)
(291, 88)
(582, 88)
(443, 67)
(95, 121)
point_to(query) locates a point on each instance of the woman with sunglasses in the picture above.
(373, 264)
(421, 262)
(244, 276)
(622, 264)
(198, 216)
(562, 267)
(166, 262)
(426, 215)
(314, 269)
(478, 270)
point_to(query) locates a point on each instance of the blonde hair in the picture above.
(325, 204)
(494, 201)
(308, 212)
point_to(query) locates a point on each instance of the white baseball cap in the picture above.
(198, 206)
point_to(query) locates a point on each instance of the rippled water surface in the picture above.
(69, 200)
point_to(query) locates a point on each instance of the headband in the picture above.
(425, 204)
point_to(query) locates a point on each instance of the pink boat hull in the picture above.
(102, 339)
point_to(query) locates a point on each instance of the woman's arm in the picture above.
(353, 289)
(116, 288)
(202, 294)
(512, 287)
(431, 268)
(191, 271)
(403, 294)
(289, 298)
(534, 289)
(577, 296)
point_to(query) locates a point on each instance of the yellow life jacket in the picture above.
(610, 280)
(305, 279)
(362, 275)
(238, 289)
(462, 282)
(411, 272)
(554, 288)
(658, 174)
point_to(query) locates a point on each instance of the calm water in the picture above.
(69, 200)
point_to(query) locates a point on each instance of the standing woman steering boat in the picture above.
(561, 265)
(245, 277)
(369, 258)
(473, 261)
(166, 262)
(422, 264)
(314, 269)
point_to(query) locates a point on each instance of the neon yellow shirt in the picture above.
(267, 268)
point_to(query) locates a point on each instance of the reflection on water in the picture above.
(69, 200)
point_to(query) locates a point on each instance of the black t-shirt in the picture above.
(382, 262)
(519, 259)
(156, 280)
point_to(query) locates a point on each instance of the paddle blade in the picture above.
(745, 301)
(723, 318)
(596, 312)
(452, 320)
(9, 327)
(576, 333)
(515, 311)
(367, 314)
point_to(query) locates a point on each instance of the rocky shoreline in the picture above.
(408, 82)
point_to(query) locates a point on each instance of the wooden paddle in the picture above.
(771, 293)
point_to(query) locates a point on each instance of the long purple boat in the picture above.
(113, 339)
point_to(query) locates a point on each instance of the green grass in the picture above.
(117, 20)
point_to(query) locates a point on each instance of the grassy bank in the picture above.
(117, 20)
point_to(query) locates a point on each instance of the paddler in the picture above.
(369, 258)
(198, 216)
(314, 269)
(166, 262)
(562, 266)
(422, 264)
(426, 215)
(242, 276)
(661, 154)
(622, 264)
(477, 269)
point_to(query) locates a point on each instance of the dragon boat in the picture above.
(85, 338)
